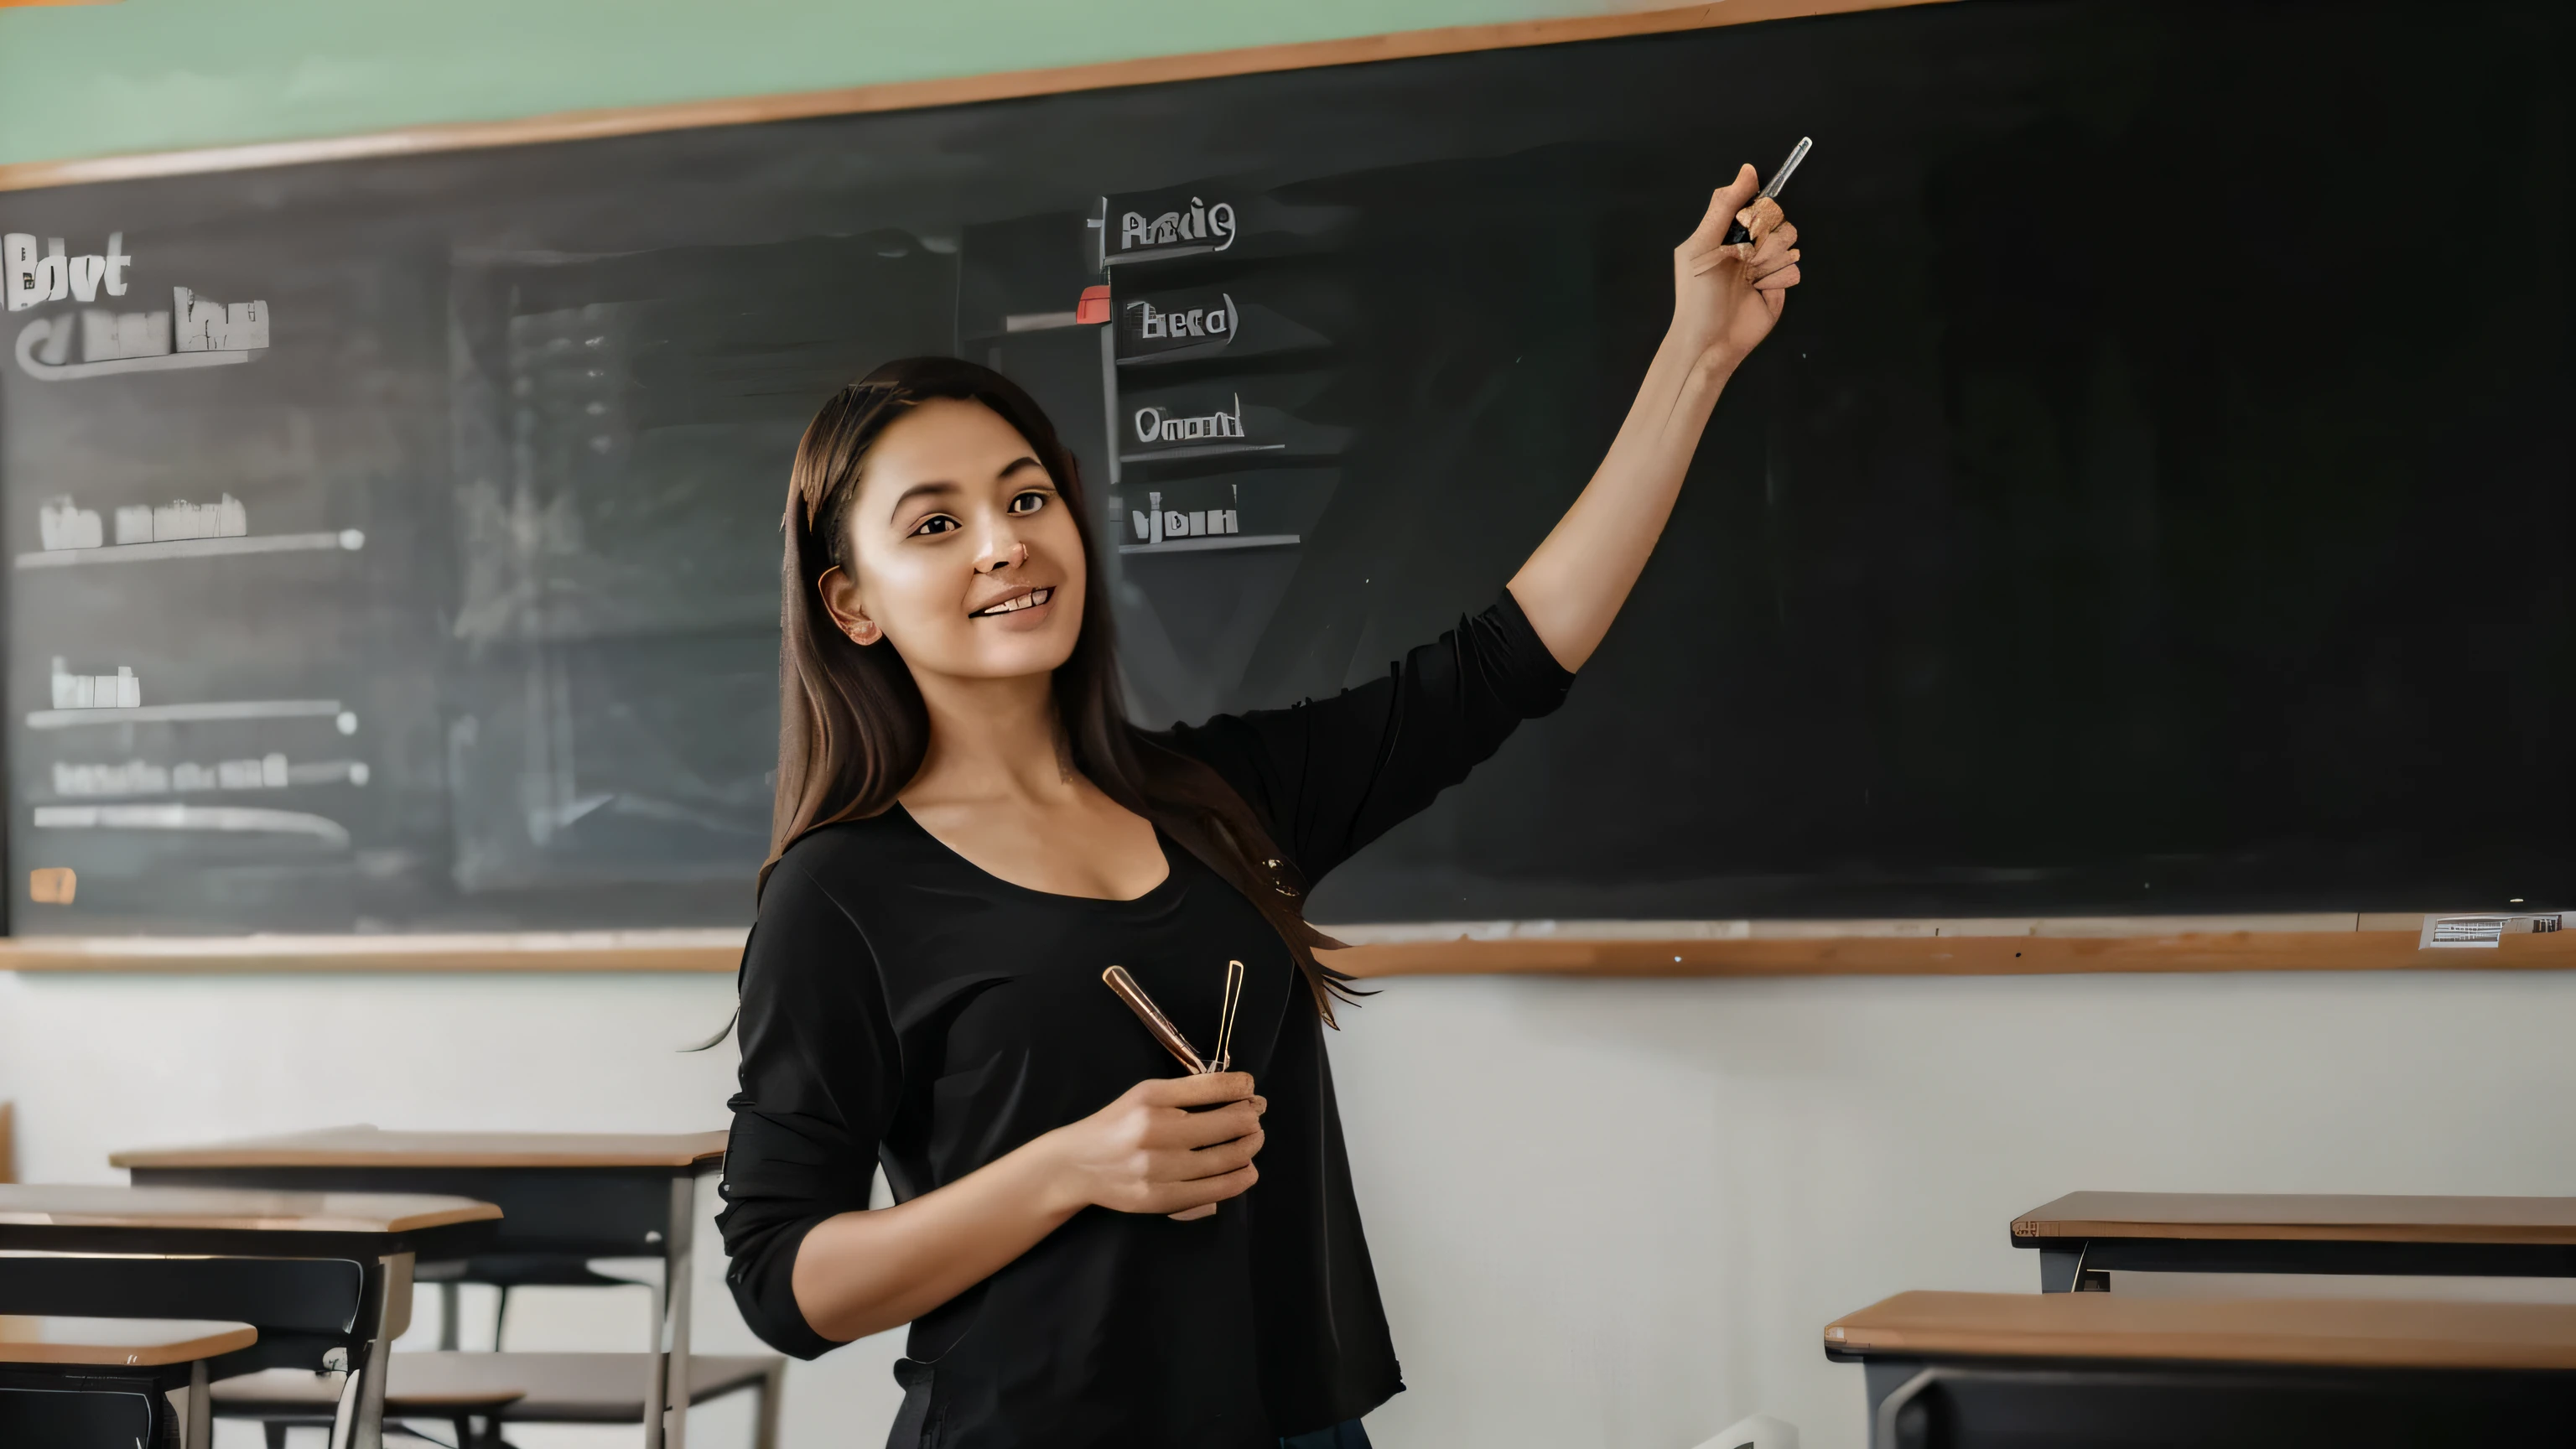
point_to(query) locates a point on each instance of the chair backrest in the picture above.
(101, 1415)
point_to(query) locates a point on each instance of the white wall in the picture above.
(1604, 1213)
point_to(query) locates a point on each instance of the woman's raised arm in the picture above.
(1725, 299)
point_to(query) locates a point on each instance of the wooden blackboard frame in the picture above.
(591, 125)
(1645, 949)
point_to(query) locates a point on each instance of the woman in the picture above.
(968, 833)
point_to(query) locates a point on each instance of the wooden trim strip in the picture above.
(644, 951)
(2025, 955)
(590, 125)
(1599, 948)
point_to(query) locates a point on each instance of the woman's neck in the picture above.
(991, 739)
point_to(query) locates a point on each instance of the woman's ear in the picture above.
(841, 600)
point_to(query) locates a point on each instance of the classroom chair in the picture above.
(566, 1201)
(481, 1393)
(104, 1383)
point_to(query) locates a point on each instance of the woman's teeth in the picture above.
(1028, 600)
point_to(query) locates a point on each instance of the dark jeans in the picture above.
(1341, 1436)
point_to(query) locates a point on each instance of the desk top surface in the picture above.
(2283, 1216)
(2347, 1332)
(225, 1209)
(372, 1147)
(122, 1342)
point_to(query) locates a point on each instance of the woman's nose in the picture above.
(1010, 553)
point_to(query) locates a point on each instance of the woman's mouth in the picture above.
(1014, 604)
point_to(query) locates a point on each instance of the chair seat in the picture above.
(546, 1388)
(289, 1393)
(117, 1342)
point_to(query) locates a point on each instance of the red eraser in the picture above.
(1094, 307)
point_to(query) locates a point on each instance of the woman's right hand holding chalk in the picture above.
(1149, 1152)
(1174, 1145)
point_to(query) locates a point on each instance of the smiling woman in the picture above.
(929, 497)
(969, 835)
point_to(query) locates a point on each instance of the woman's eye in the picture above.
(1029, 502)
(935, 523)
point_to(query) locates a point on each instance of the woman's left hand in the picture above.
(1726, 298)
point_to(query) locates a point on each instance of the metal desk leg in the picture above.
(2062, 1270)
(1891, 1427)
(359, 1422)
(197, 1431)
(666, 1408)
(773, 1390)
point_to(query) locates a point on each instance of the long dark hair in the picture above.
(852, 729)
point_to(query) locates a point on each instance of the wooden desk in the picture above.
(341, 1147)
(566, 1197)
(118, 1342)
(325, 1277)
(186, 1219)
(2083, 1236)
(2099, 1369)
(102, 1380)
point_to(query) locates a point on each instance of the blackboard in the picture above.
(2155, 500)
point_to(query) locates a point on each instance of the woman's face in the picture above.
(960, 550)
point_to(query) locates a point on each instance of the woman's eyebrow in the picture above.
(916, 489)
(1022, 461)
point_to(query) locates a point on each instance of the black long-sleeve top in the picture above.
(902, 1006)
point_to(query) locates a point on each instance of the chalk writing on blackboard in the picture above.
(225, 818)
(120, 690)
(1150, 327)
(1208, 420)
(1154, 425)
(194, 332)
(1180, 229)
(70, 534)
(272, 771)
(65, 524)
(1192, 530)
(51, 277)
(1154, 523)
(202, 712)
